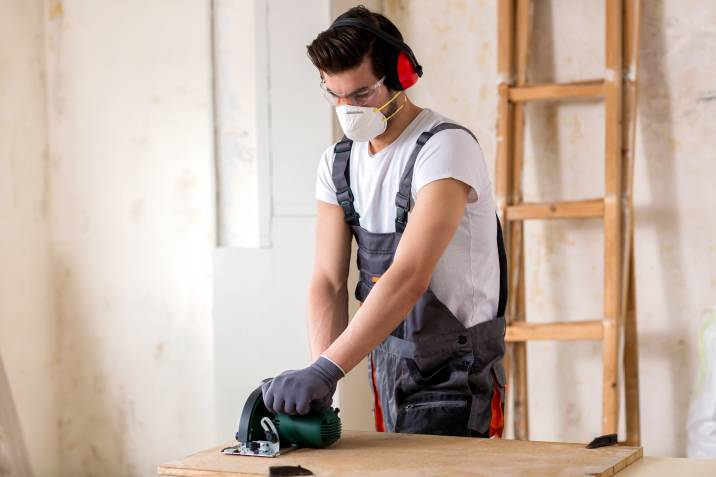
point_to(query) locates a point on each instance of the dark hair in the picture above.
(341, 49)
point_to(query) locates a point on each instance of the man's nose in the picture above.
(342, 101)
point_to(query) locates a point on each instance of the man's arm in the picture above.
(328, 292)
(437, 214)
(438, 210)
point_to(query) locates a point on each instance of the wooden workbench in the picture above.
(368, 454)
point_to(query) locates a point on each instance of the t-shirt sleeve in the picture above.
(325, 189)
(451, 154)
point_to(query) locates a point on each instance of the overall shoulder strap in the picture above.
(402, 198)
(502, 256)
(402, 202)
(342, 180)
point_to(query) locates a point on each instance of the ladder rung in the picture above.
(536, 92)
(580, 209)
(560, 331)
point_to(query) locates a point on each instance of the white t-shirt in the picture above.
(467, 276)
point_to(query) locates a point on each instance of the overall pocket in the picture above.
(436, 413)
(445, 372)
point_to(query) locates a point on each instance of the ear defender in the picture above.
(407, 76)
(407, 69)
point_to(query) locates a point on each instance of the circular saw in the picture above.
(265, 434)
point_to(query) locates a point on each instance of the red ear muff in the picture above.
(407, 76)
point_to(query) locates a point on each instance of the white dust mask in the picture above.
(363, 123)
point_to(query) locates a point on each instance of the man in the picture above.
(413, 188)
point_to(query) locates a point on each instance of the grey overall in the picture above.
(432, 375)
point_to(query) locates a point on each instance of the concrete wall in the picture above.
(132, 214)
(456, 43)
(28, 325)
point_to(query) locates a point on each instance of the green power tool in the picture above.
(265, 434)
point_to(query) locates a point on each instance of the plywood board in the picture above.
(368, 454)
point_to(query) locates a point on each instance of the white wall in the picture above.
(241, 101)
(28, 326)
(675, 244)
(260, 293)
(132, 214)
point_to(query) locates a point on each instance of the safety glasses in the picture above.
(359, 97)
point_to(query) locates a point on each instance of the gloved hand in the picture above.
(299, 392)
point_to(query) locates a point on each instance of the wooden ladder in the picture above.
(618, 323)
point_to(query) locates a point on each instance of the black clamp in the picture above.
(401, 217)
(402, 202)
(345, 200)
(403, 207)
(349, 212)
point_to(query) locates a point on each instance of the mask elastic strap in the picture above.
(395, 112)
(390, 101)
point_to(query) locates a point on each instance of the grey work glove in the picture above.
(299, 392)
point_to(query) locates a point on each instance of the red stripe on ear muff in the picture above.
(407, 76)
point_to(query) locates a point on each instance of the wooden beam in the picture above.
(518, 312)
(612, 216)
(632, 27)
(561, 331)
(505, 54)
(553, 91)
(581, 209)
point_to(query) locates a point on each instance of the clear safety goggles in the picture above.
(359, 97)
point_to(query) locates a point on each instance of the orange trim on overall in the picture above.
(497, 419)
(379, 423)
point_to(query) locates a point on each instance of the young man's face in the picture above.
(357, 87)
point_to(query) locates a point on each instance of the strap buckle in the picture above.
(401, 217)
(345, 195)
(402, 202)
(349, 212)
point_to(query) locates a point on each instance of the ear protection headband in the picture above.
(407, 70)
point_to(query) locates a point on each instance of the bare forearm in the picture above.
(389, 302)
(327, 315)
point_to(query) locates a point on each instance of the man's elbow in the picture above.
(414, 280)
(322, 285)
(420, 285)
